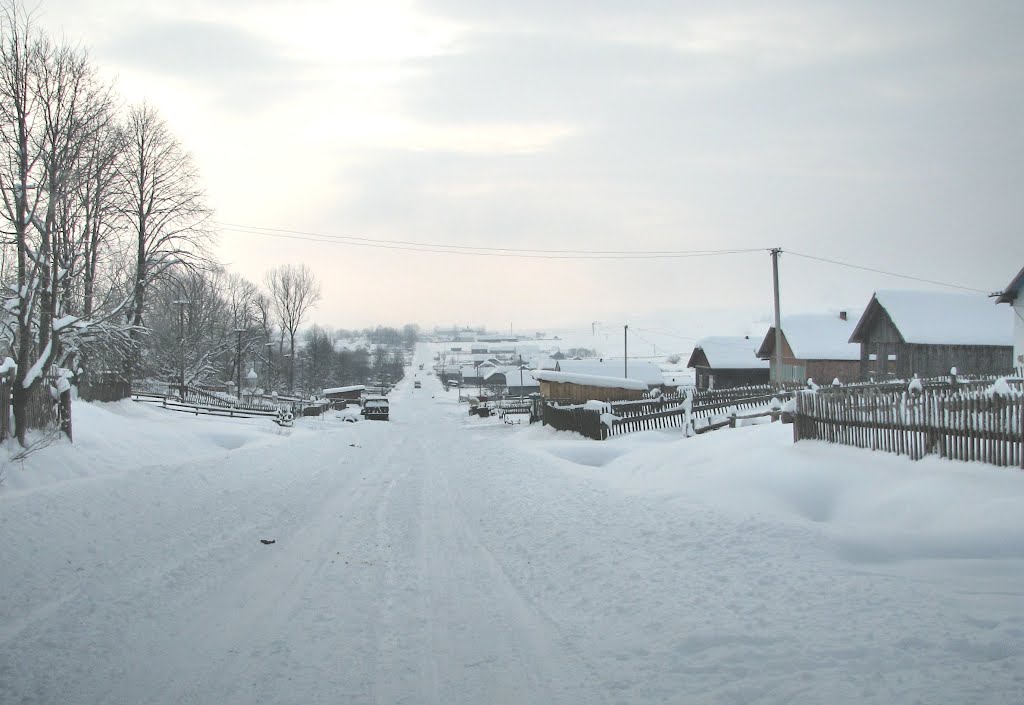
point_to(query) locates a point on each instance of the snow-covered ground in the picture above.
(439, 558)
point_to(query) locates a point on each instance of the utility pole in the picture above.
(520, 375)
(625, 351)
(775, 251)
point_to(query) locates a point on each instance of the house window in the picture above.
(892, 356)
(872, 357)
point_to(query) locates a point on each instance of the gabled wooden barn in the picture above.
(903, 333)
(722, 362)
(814, 346)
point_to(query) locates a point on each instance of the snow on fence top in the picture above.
(591, 380)
(943, 318)
(342, 390)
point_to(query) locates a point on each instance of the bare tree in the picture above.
(293, 290)
(51, 104)
(163, 202)
(19, 58)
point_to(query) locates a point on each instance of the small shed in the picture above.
(723, 362)
(341, 396)
(579, 388)
(815, 346)
(1013, 294)
(903, 333)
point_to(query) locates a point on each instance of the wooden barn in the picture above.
(814, 346)
(643, 370)
(341, 396)
(1013, 294)
(903, 333)
(723, 362)
(579, 388)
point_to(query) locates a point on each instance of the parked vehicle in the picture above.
(417, 385)
(376, 408)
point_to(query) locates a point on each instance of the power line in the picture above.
(439, 248)
(879, 271)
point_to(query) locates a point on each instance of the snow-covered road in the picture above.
(442, 559)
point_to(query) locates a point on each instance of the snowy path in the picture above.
(438, 559)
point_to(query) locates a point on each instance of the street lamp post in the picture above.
(270, 364)
(291, 371)
(181, 304)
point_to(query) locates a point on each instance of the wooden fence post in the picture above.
(5, 406)
(64, 414)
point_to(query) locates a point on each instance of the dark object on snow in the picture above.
(267, 542)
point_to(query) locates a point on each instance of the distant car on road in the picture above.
(417, 385)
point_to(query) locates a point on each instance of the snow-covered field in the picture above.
(439, 558)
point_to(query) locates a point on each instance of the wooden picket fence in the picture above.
(956, 424)
(675, 416)
(662, 413)
(43, 409)
(103, 386)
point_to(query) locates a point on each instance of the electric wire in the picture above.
(439, 248)
(879, 271)
(548, 254)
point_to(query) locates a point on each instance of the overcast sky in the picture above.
(885, 134)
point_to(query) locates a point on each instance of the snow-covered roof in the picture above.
(342, 390)
(543, 362)
(528, 380)
(591, 380)
(647, 372)
(941, 318)
(489, 372)
(512, 376)
(815, 336)
(728, 353)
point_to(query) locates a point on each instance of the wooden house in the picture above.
(723, 362)
(814, 346)
(1013, 295)
(903, 333)
(580, 388)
